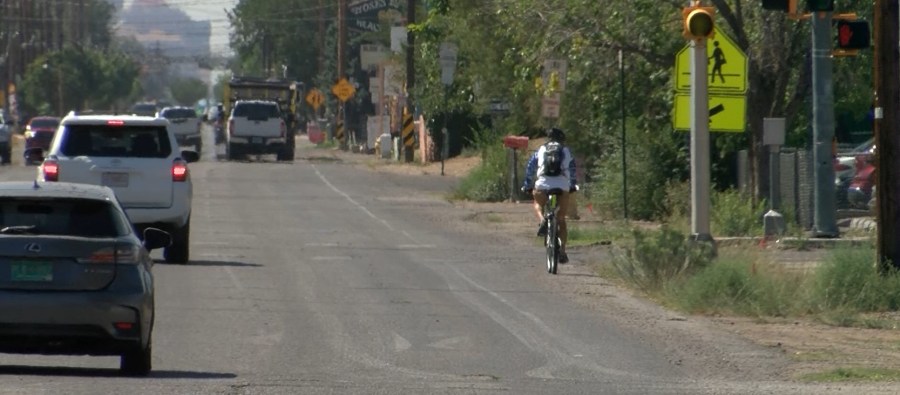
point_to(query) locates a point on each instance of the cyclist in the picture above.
(554, 167)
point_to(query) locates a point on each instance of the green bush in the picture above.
(655, 258)
(644, 178)
(738, 285)
(734, 214)
(489, 181)
(849, 281)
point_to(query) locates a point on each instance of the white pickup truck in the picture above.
(255, 127)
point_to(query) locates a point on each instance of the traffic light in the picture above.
(699, 22)
(820, 5)
(789, 6)
(852, 34)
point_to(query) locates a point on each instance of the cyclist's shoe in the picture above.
(563, 257)
(542, 229)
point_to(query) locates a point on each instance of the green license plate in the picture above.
(32, 271)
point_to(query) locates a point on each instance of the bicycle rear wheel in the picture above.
(552, 243)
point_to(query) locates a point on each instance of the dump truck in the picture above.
(285, 93)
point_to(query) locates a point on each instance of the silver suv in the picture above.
(136, 156)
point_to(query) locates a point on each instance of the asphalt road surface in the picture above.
(319, 277)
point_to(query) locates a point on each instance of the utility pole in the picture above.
(321, 42)
(824, 222)
(887, 123)
(342, 50)
(406, 118)
(342, 38)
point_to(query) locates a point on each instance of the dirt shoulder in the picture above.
(791, 348)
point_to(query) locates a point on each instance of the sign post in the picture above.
(343, 90)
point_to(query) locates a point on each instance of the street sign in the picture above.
(343, 90)
(447, 54)
(550, 105)
(558, 68)
(315, 98)
(726, 113)
(727, 66)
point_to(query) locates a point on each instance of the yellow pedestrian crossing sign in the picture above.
(726, 66)
(726, 113)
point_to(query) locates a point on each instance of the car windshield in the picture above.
(179, 113)
(116, 141)
(66, 216)
(44, 123)
(256, 111)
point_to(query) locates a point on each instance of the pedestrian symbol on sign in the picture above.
(718, 59)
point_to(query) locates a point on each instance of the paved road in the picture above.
(317, 277)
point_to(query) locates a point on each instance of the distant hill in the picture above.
(155, 23)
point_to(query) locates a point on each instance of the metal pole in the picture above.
(622, 107)
(774, 177)
(824, 222)
(699, 143)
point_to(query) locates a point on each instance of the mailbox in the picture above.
(515, 142)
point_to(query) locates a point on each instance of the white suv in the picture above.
(136, 156)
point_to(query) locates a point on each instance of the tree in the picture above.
(78, 78)
(188, 91)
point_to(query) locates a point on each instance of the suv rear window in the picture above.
(256, 111)
(71, 217)
(44, 123)
(179, 113)
(116, 141)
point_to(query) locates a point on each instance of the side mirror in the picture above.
(190, 156)
(34, 155)
(155, 239)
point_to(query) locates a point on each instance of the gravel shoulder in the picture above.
(717, 348)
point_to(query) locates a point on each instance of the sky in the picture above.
(203, 10)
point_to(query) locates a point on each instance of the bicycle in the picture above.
(552, 241)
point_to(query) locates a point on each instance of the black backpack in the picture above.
(553, 157)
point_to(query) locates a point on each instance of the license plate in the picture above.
(32, 271)
(256, 140)
(115, 179)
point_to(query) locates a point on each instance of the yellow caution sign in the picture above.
(407, 130)
(344, 90)
(315, 98)
(726, 113)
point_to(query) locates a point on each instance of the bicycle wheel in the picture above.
(552, 243)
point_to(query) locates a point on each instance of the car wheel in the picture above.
(180, 250)
(137, 361)
(231, 152)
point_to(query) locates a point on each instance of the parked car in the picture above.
(845, 168)
(183, 121)
(74, 277)
(6, 126)
(139, 159)
(38, 133)
(860, 189)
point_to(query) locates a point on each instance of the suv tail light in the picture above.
(50, 168)
(127, 254)
(231, 127)
(179, 171)
(283, 129)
